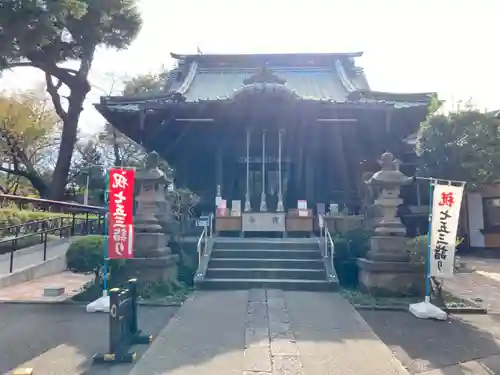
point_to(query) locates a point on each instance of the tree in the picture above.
(145, 83)
(461, 145)
(89, 166)
(126, 152)
(29, 135)
(44, 34)
(119, 150)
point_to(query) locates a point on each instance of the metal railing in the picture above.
(77, 226)
(32, 226)
(328, 248)
(49, 205)
(202, 244)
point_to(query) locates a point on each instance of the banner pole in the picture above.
(106, 218)
(429, 230)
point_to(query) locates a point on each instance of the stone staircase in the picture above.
(287, 264)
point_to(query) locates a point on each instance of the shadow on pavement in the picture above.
(423, 345)
(61, 339)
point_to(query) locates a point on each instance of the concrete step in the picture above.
(238, 284)
(265, 273)
(265, 254)
(249, 244)
(316, 264)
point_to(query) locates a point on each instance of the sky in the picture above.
(443, 46)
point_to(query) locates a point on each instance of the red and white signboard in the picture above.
(121, 213)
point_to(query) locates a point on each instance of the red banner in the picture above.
(121, 213)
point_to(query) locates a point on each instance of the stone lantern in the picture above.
(153, 260)
(387, 182)
(387, 268)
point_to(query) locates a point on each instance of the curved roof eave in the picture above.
(213, 56)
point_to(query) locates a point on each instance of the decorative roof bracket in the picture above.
(264, 75)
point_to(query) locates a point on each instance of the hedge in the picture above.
(12, 216)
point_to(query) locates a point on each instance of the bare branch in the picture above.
(29, 64)
(53, 91)
(14, 172)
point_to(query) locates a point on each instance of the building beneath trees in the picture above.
(269, 130)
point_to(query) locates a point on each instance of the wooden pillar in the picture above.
(309, 173)
(340, 157)
(219, 171)
(300, 163)
(248, 206)
(353, 157)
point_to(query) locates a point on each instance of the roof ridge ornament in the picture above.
(264, 75)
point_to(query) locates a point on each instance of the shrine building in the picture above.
(270, 130)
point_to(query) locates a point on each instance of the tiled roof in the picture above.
(309, 84)
(330, 77)
(310, 76)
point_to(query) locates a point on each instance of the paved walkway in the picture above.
(33, 255)
(483, 285)
(32, 291)
(267, 332)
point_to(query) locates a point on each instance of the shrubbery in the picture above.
(86, 255)
(349, 247)
(14, 216)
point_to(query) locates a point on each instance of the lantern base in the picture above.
(99, 305)
(426, 310)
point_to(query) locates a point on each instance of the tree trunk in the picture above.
(68, 140)
(116, 150)
(40, 185)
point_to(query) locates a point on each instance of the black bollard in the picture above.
(123, 327)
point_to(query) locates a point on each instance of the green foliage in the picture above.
(120, 149)
(172, 288)
(89, 164)
(150, 83)
(28, 138)
(13, 216)
(418, 248)
(86, 255)
(462, 145)
(55, 31)
(348, 248)
(43, 34)
(352, 244)
(187, 266)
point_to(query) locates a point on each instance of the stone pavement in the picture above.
(267, 332)
(33, 255)
(483, 285)
(32, 291)
(465, 344)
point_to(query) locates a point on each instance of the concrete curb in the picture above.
(466, 310)
(49, 267)
(449, 310)
(84, 303)
(380, 308)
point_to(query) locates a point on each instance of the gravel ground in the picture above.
(61, 339)
(423, 345)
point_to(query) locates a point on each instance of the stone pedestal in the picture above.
(153, 270)
(385, 278)
(153, 261)
(387, 269)
(388, 249)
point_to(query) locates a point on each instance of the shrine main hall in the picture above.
(272, 136)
